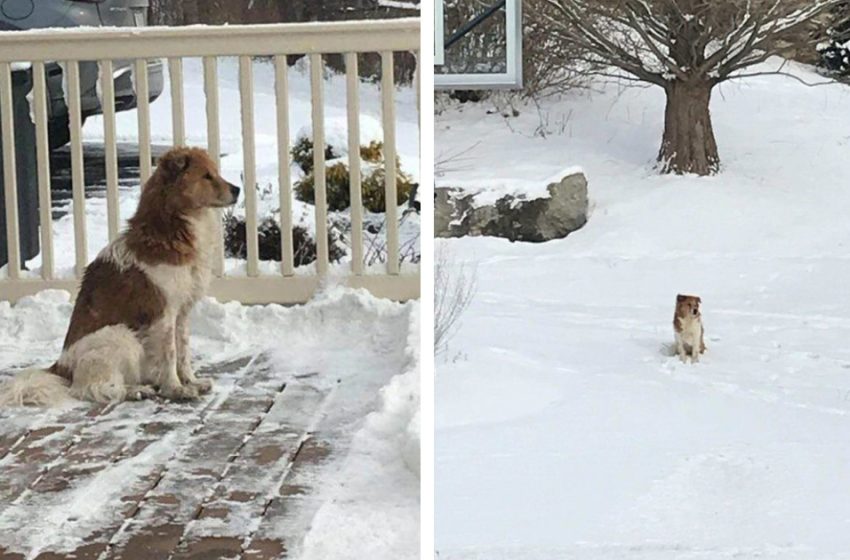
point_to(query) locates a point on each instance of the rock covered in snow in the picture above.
(516, 217)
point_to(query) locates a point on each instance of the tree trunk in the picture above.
(191, 14)
(688, 145)
(165, 12)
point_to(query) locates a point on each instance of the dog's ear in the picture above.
(699, 300)
(175, 162)
(680, 297)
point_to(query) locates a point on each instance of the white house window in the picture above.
(478, 50)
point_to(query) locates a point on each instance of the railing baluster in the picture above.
(214, 146)
(281, 88)
(388, 112)
(42, 143)
(246, 94)
(319, 185)
(175, 76)
(107, 87)
(353, 107)
(144, 115)
(417, 80)
(77, 169)
(13, 242)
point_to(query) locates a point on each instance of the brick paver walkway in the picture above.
(234, 475)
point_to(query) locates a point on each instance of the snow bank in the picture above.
(367, 511)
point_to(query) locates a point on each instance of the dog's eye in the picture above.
(208, 177)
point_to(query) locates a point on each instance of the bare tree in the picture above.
(686, 47)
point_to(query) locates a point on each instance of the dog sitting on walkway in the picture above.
(687, 326)
(129, 333)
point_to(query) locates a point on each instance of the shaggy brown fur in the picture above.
(129, 331)
(186, 182)
(111, 296)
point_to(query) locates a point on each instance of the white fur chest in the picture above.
(180, 284)
(184, 285)
(177, 283)
(691, 330)
(206, 230)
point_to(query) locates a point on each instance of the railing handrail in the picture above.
(111, 43)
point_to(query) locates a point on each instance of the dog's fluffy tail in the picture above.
(36, 387)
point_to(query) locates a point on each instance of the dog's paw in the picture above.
(203, 385)
(140, 392)
(179, 392)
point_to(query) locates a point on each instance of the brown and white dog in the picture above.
(687, 326)
(129, 331)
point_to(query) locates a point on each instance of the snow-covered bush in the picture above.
(268, 230)
(835, 56)
(302, 154)
(337, 179)
(835, 51)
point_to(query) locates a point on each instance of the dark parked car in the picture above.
(36, 14)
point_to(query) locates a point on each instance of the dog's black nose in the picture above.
(696, 311)
(234, 191)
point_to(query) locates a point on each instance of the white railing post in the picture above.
(175, 77)
(246, 93)
(352, 80)
(42, 142)
(143, 111)
(107, 88)
(10, 183)
(319, 180)
(281, 83)
(77, 170)
(390, 193)
(214, 145)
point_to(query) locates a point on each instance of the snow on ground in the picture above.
(407, 133)
(565, 427)
(354, 521)
(344, 335)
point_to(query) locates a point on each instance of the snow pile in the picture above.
(368, 507)
(566, 429)
(346, 337)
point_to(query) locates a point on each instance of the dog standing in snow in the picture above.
(687, 326)
(129, 333)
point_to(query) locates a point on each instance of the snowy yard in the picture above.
(565, 427)
(308, 446)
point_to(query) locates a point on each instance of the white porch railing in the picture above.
(69, 47)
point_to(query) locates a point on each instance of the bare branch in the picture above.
(659, 41)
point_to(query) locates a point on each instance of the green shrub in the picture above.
(338, 183)
(302, 154)
(269, 241)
